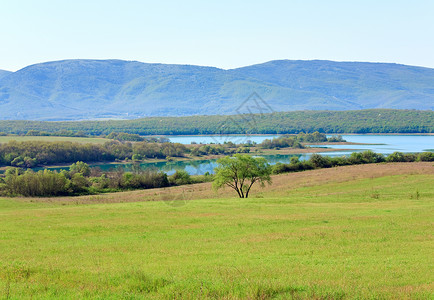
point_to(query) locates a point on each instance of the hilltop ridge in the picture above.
(117, 89)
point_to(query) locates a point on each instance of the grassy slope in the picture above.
(5, 139)
(349, 232)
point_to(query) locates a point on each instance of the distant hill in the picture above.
(99, 89)
(331, 122)
(4, 73)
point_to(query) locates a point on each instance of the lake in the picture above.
(384, 144)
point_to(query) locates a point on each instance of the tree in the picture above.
(80, 167)
(240, 172)
(79, 183)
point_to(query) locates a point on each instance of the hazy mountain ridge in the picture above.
(92, 89)
(3, 73)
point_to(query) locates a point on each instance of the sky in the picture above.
(224, 34)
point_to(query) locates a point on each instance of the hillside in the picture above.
(95, 89)
(350, 121)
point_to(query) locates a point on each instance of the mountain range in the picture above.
(116, 89)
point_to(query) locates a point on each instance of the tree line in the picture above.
(29, 154)
(83, 180)
(317, 161)
(240, 172)
(331, 122)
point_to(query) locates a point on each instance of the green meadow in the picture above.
(368, 238)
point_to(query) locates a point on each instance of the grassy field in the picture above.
(5, 139)
(355, 232)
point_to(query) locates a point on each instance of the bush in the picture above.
(285, 168)
(339, 161)
(426, 156)
(294, 166)
(207, 177)
(145, 180)
(243, 150)
(79, 167)
(180, 177)
(319, 161)
(100, 183)
(365, 157)
(137, 157)
(401, 157)
(335, 139)
(79, 183)
(294, 160)
(372, 157)
(25, 162)
(31, 184)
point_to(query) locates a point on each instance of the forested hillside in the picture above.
(358, 121)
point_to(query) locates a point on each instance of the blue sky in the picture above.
(225, 34)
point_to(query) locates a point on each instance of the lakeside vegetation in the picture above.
(239, 172)
(28, 154)
(82, 180)
(331, 122)
(355, 232)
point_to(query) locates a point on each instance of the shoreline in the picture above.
(283, 151)
(279, 134)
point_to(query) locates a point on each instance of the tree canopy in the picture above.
(240, 172)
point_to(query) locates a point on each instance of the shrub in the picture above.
(137, 157)
(79, 167)
(25, 162)
(145, 179)
(286, 168)
(426, 156)
(180, 177)
(100, 183)
(339, 161)
(79, 183)
(401, 157)
(372, 157)
(294, 160)
(42, 183)
(335, 139)
(319, 161)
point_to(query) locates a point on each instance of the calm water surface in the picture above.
(384, 144)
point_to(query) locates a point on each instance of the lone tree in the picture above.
(240, 172)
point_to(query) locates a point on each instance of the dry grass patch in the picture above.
(282, 184)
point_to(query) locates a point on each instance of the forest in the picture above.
(330, 122)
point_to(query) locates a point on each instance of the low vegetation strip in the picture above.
(240, 171)
(353, 232)
(81, 140)
(331, 122)
(282, 183)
